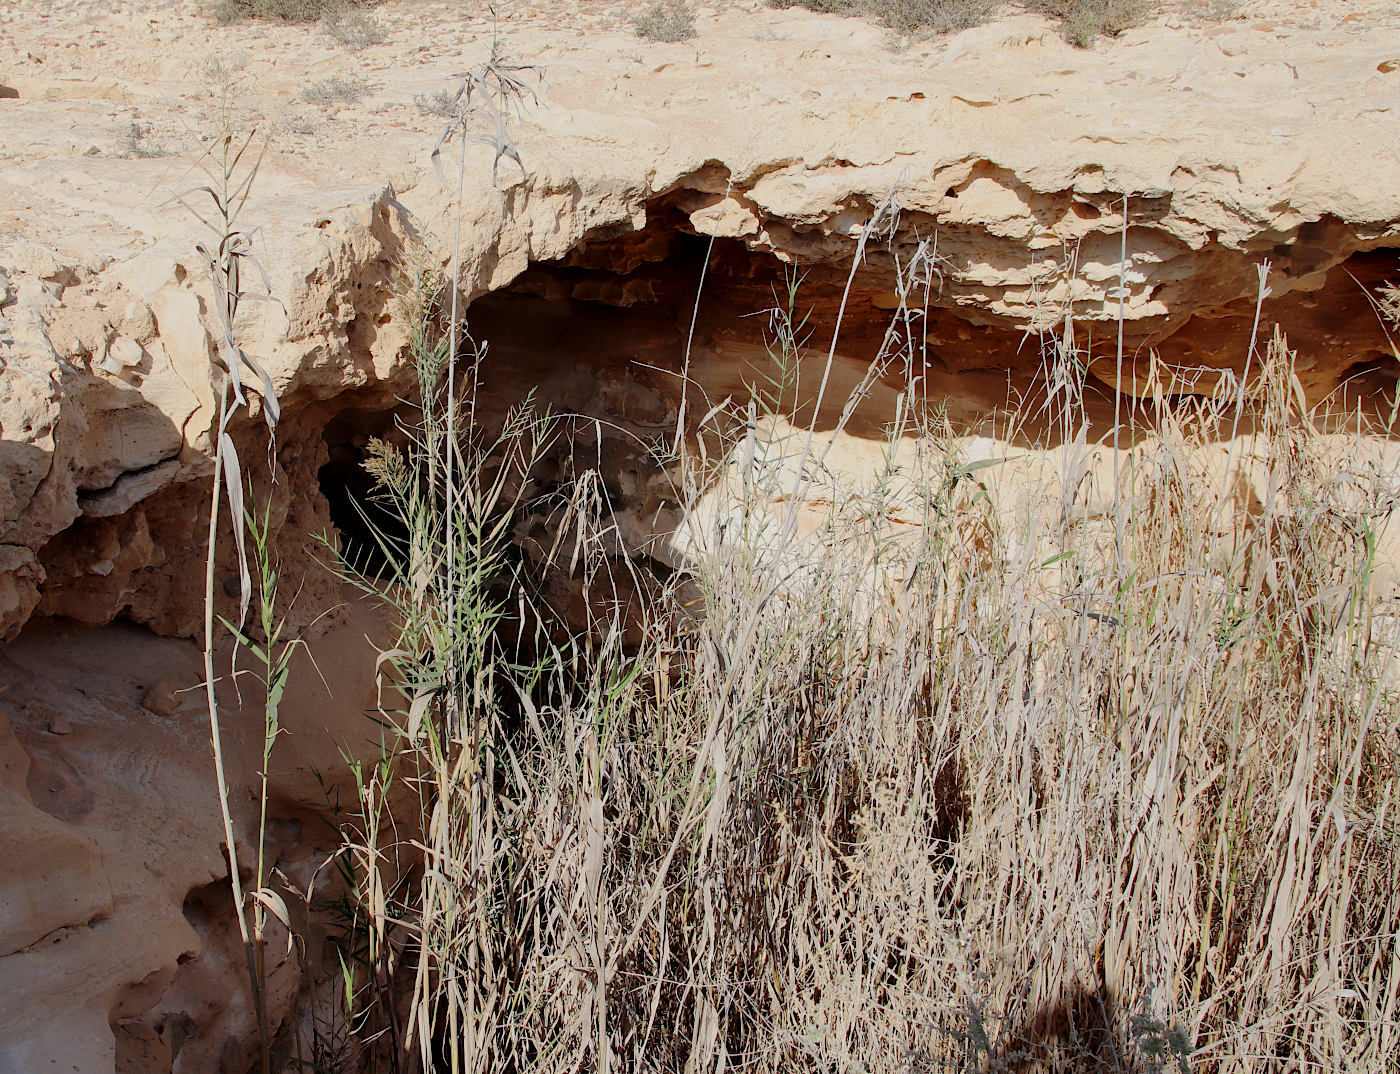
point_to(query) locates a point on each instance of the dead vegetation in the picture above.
(1081, 22)
(336, 90)
(669, 22)
(346, 22)
(284, 10)
(140, 144)
(1019, 761)
(907, 17)
(1045, 758)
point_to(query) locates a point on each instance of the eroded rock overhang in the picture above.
(1145, 183)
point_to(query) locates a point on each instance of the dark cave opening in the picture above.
(371, 536)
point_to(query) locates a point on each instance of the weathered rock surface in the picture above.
(1012, 153)
(115, 877)
(652, 174)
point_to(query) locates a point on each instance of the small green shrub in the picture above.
(672, 21)
(1082, 22)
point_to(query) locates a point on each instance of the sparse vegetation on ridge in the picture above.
(909, 18)
(1081, 21)
(284, 10)
(346, 22)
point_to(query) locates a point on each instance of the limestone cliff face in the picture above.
(666, 192)
(1148, 179)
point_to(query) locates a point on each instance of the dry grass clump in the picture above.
(1008, 761)
(672, 21)
(283, 10)
(1388, 299)
(1082, 22)
(909, 18)
(338, 89)
(353, 28)
(442, 102)
(138, 143)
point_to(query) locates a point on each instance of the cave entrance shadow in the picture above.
(625, 306)
(371, 534)
(1083, 1031)
(1080, 1033)
(612, 338)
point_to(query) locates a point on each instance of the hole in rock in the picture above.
(368, 531)
(614, 332)
(1370, 379)
(611, 342)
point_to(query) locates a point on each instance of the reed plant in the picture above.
(1045, 751)
(1000, 755)
(229, 166)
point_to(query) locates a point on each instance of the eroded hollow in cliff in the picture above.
(662, 325)
(640, 340)
(368, 530)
